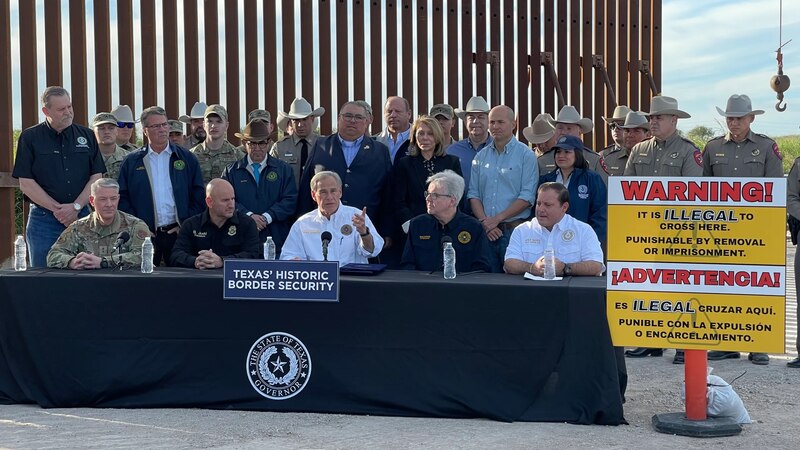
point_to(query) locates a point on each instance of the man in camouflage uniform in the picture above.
(215, 153)
(176, 135)
(741, 153)
(88, 243)
(635, 129)
(666, 154)
(105, 130)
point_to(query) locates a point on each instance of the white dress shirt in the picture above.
(163, 197)
(305, 238)
(573, 241)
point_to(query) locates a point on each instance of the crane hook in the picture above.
(778, 106)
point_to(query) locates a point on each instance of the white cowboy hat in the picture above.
(123, 114)
(475, 104)
(661, 104)
(197, 112)
(541, 130)
(569, 114)
(299, 109)
(739, 106)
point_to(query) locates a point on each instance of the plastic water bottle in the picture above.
(449, 261)
(549, 263)
(269, 249)
(20, 253)
(147, 256)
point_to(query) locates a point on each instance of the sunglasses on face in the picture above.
(125, 124)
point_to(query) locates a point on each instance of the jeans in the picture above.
(498, 251)
(41, 233)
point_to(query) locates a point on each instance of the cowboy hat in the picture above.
(197, 112)
(541, 130)
(619, 115)
(299, 109)
(474, 105)
(123, 114)
(255, 130)
(739, 106)
(569, 114)
(663, 105)
(636, 119)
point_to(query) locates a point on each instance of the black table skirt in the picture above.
(402, 343)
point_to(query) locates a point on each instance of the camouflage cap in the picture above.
(259, 114)
(216, 110)
(175, 126)
(102, 118)
(442, 109)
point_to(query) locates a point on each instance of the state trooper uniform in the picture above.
(676, 156)
(756, 156)
(615, 159)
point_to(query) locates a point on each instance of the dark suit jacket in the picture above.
(365, 183)
(136, 193)
(409, 179)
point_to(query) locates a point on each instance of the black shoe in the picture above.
(678, 359)
(761, 359)
(641, 352)
(795, 363)
(717, 356)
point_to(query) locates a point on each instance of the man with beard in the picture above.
(218, 233)
(194, 119)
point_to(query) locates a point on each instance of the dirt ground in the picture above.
(770, 393)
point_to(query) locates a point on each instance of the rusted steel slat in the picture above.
(392, 45)
(170, 43)
(77, 45)
(148, 60)
(191, 56)
(634, 82)
(575, 79)
(325, 83)
(407, 43)
(233, 69)
(342, 69)
(587, 26)
(655, 60)
(251, 56)
(562, 50)
(523, 109)
(211, 22)
(271, 58)
(622, 54)
(453, 97)
(439, 43)
(288, 55)
(646, 52)
(376, 57)
(597, 139)
(52, 34)
(467, 62)
(534, 88)
(359, 73)
(609, 59)
(102, 52)
(306, 50)
(481, 58)
(421, 28)
(549, 46)
(502, 48)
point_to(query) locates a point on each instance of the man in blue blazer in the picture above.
(363, 164)
(161, 184)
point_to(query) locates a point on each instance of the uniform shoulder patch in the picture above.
(777, 151)
(698, 158)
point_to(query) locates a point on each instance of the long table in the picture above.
(401, 343)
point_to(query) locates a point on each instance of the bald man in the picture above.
(503, 183)
(218, 233)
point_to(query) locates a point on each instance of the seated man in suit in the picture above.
(423, 250)
(352, 237)
(220, 232)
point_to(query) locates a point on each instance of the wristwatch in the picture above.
(365, 234)
(567, 270)
(77, 206)
(104, 264)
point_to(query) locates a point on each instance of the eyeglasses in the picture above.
(125, 124)
(263, 144)
(158, 125)
(353, 117)
(435, 196)
(613, 126)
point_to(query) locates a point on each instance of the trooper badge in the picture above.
(278, 366)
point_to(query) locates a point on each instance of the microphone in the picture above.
(445, 240)
(326, 240)
(121, 239)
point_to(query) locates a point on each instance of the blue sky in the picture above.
(716, 48)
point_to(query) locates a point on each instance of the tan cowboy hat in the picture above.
(197, 112)
(739, 106)
(255, 130)
(569, 114)
(620, 112)
(123, 114)
(299, 109)
(661, 104)
(475, 104)
(541, 130)
(636, 119)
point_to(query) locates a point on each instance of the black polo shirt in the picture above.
(61, 163)
(236, 238)
(423, 249)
